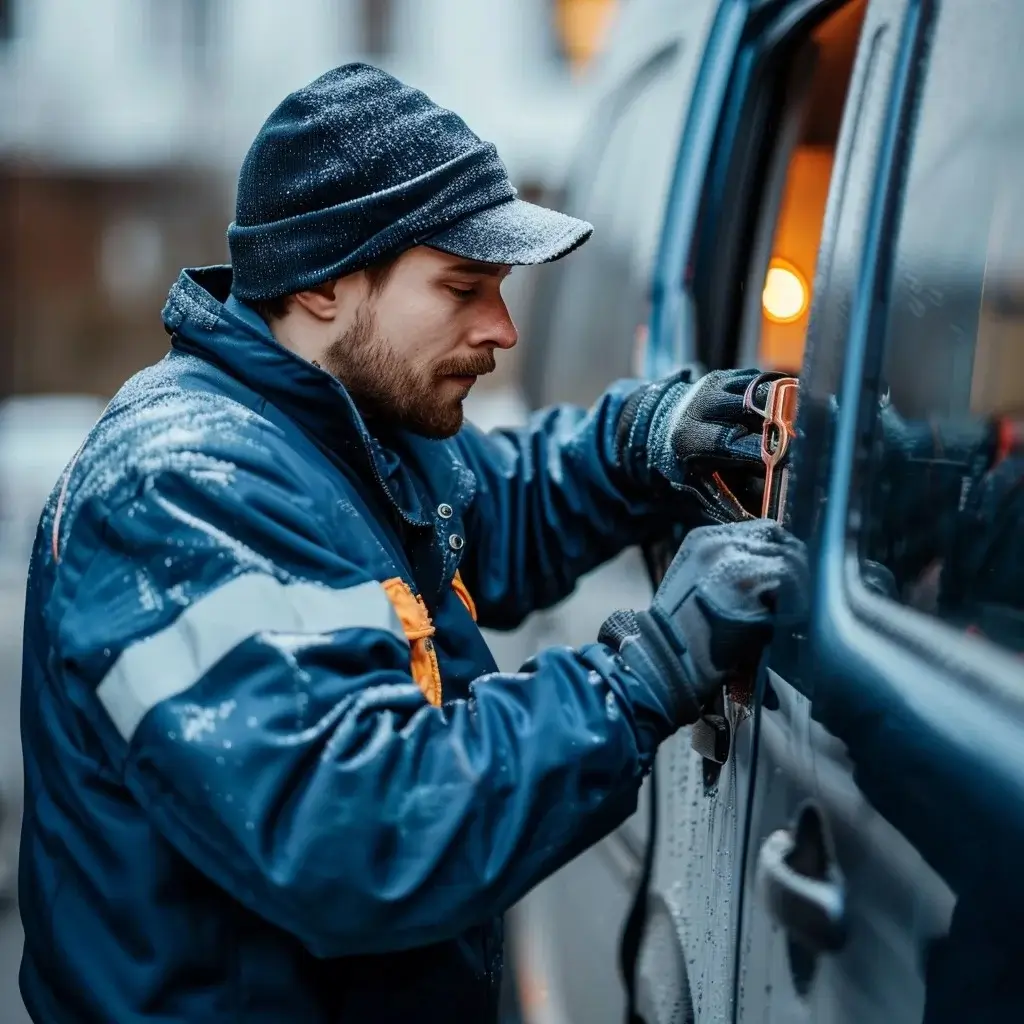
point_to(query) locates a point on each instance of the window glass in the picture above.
(943, 496)
(602, 292)
(818, 99)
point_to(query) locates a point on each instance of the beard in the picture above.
(388, 390)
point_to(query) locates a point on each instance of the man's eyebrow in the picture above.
(475, 267)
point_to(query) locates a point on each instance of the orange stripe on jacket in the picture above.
(419, 631)
(464, 596)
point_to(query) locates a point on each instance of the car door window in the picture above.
(603, 290)
(763, 203)
(942, 523)
(785, 249)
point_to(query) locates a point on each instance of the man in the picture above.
(272, 771)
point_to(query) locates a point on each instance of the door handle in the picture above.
(710, 737)
(801, 883)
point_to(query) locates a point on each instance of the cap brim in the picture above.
(516, 233)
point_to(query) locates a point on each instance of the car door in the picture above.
(882, 866)
(762, 204)
(565, 935)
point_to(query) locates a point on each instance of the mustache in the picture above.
(476, 366)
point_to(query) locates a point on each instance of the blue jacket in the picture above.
(272, 772)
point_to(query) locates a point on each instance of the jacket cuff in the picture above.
(633, 431)
(652, 715)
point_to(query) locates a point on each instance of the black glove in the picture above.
(671, 428)
(713, 613)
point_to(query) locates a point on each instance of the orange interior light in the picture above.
(786, 294)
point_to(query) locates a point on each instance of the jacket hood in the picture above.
(204, 318)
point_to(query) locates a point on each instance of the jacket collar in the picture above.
(204, 319)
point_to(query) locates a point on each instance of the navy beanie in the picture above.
(356, 168)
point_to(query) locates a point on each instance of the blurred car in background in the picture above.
(827, 188)
(39, 434)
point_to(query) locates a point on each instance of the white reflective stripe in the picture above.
(175, 659)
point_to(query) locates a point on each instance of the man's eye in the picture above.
(461, 293)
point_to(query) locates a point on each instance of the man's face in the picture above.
(419, 339)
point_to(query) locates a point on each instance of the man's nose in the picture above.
(507, 336)
(501, 331)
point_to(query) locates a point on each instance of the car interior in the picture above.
(785, 251)
(789, 123)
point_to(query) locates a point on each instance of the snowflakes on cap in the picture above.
(357, 167)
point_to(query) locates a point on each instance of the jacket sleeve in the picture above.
(551, 505)
(271, 730)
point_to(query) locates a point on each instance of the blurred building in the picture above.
(123, 123)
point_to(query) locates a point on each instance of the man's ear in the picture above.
(320, 301)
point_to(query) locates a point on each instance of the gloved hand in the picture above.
(667, 428)
(713, 613)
